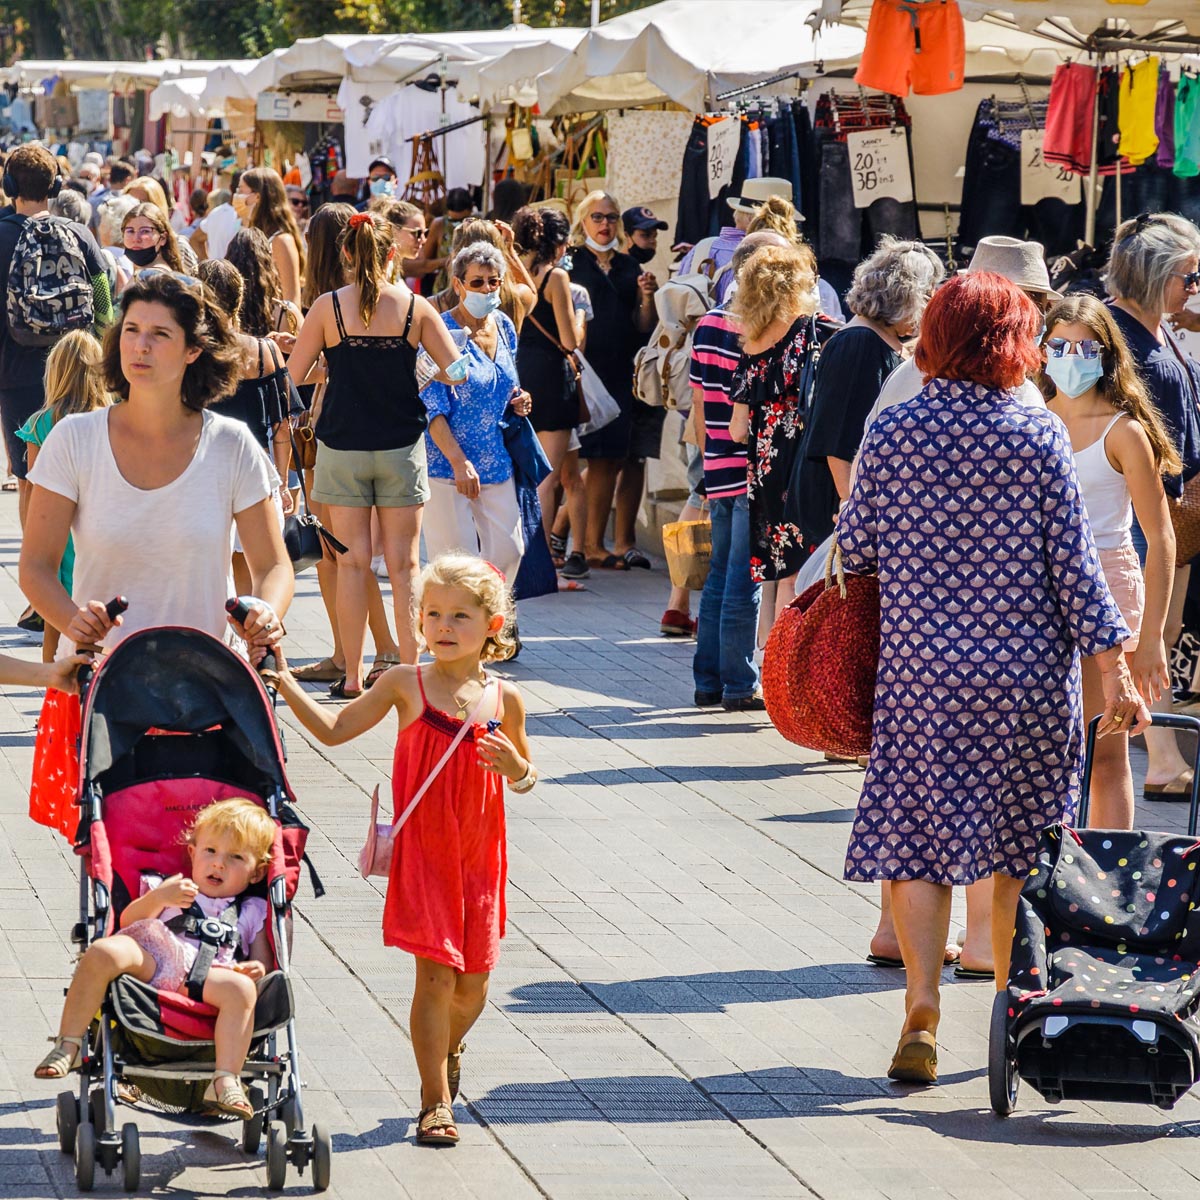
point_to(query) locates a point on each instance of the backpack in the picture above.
(49, 287)
(662, 367)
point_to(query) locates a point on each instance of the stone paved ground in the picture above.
(682, 1008)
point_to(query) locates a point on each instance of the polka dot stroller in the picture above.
(173, 720)
(1103, 997)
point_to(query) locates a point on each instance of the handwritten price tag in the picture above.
(1041, 180)
(723, 140)
(879, 166)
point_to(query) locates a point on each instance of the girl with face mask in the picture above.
(149, 240)
(1122, 450)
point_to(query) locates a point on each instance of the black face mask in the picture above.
(143, 256)
(640, 254)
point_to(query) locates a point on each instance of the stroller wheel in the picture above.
(131, 1156)
(66, 1118)
(1003, 1080)
(85, 1157)
(252, 1130)
(322, 1157)
(277, 1138)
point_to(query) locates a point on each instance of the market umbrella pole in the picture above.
(1093, 200)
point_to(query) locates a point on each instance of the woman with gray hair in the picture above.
(1152, 272)
(472, 495)
(887, 297)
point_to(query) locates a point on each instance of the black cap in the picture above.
(382, 161)
(641, 218)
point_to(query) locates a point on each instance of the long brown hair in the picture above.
(367, 238)
(250, 253)
(326, 263)
(1120, 384)
(273, 212)
(153, 214)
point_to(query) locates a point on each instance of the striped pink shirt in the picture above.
(715, 355)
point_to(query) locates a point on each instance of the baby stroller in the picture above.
(1103, 998)
(172, 721)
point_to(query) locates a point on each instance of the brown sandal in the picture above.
(436, 1127)
(226, 1095)
(915, 1060)
(454, 1069)
(58, 1064)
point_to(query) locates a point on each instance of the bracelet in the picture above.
(526, 782)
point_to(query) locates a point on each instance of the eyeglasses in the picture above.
(1191, 279)
(603, 218)
(139, 235)
(1087, 347)
(148, 273)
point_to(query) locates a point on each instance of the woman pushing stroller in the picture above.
(229, 846)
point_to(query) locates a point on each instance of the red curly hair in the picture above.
(980, 328)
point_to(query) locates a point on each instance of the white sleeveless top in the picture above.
(1105, 493)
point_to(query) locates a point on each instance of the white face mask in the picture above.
(598, 247)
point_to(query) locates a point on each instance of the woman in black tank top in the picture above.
(370, 448)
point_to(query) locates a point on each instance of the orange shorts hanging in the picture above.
(917, 43)
(54, 790)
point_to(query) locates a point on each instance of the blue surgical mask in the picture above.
(481, 304)
(383, 186)
(1073, 374)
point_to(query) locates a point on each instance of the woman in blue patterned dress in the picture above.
(967, 508)
(472, 496)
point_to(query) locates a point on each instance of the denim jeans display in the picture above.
(699, 217)
(728, 625)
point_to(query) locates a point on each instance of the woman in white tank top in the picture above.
(1122, 450)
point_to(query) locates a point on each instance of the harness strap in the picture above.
(212, 933)
(337, 316)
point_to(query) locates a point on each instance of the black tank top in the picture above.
(531, 337)
(371, 399)
(261, 403)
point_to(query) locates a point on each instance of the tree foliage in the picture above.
(249, 28)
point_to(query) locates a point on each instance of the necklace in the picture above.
(461, 707)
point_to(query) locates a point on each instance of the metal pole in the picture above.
(595, 13)
(1093, 200)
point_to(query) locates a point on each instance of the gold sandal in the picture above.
(915, 1060)
(454, 1069)
(226, 1095)
(58, 1064)
(436, 1127)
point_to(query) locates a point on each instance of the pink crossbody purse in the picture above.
(375, 858)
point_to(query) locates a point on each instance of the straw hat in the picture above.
(756, 192)
(1022, 263)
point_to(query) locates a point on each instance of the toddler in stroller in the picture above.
(186, 933)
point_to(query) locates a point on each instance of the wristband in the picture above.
(527, 781)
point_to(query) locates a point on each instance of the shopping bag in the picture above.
(688, 547)
(602, 408)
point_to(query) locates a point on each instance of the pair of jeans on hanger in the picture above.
(845, 233)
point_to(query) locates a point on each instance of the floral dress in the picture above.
(769, 383)
(966, 505)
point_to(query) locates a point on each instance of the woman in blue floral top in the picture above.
(473, 498)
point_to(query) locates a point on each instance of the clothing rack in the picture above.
(818, 67)
(432, 133)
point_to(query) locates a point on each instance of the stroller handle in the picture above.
(239, 612)
(1157, 721)
(113, 609)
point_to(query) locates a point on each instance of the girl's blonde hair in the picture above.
(367, 238)
(585, 206)
(779, 216)
(486, 584)
(149, 191)
(1120, 385)
(777, 281)
(248, 824)
(74, 381)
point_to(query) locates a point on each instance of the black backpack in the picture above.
(49, 288)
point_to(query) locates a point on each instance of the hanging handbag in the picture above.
(304, 536)
(375, 858)
(820, 663)
(574, 374)
(1185, 509)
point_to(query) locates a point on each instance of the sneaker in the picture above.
(576, 567)
(676, 624)
(706, 699)
(745, 704)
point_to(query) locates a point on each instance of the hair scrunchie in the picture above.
(359, 219)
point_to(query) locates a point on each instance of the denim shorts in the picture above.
(371, 478)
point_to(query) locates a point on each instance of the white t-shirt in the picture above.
(219, 227)
(166, 550)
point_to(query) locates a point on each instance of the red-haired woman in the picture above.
(967, 508)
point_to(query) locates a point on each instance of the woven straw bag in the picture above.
(820, 663)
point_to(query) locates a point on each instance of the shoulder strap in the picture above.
(260, 357)
(421, 685)
(549, 337)
(276, 360)
(437, 770)
(1109, 426)
(337, 315)
(1183, 362)
(412, 304)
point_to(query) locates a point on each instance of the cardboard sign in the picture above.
(298, 106)
(1041, 180)
(879, 166)
(723, 140)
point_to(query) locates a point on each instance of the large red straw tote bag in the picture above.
(820, 663)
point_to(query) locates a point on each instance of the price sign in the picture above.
(723, 140)
(879, 166)
(1041, 180)
(298, 106)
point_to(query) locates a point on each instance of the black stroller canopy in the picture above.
(182, 681)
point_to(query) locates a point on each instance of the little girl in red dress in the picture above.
(445, 896)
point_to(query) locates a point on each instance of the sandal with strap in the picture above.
(325, 671)
(384, 662)
(436, 1127)
(58, 1064)
(226, 1095)
(454, 1069)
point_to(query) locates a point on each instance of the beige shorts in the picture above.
(1123, 573)
(371, 478)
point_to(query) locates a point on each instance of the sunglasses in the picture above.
(1087, 347)
(298, 203)
(1191, 279)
